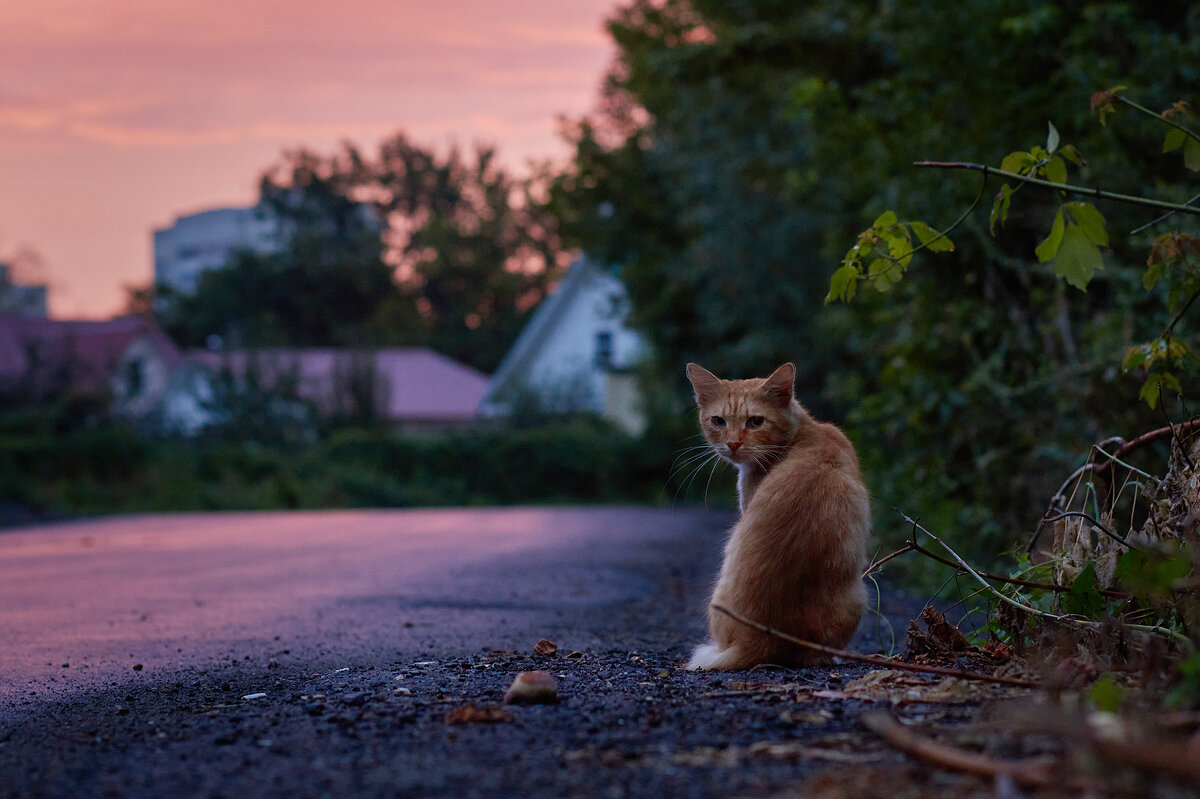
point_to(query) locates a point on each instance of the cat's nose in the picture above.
(733, 446)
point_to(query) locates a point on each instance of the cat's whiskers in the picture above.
(694, 465)
(689, 454)
(691, 461)
(765, 456)
(715, 460)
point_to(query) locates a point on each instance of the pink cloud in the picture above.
(116, 116)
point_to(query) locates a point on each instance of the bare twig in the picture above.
(1075, 514)
(909, 547)
(1100, 471)
(1154, 755)
(1062, 618)
(1014, 580)
(1155, 435)
(1166, 120)
(1162, 218)
(1063, 187)
(875, 660)
(962, 564)
(1033, 772)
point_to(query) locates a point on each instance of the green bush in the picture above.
(114, 469)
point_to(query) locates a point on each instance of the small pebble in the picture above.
(532, 688)
(255, 696)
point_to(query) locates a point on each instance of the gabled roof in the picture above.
(52, 353)
(544, 321)
(417, 384)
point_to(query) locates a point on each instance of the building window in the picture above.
(135, 378)
(604, 349)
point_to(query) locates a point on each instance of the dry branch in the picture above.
(1173, 759)
(1015, 580)
(875, 660)
(909, 547)
(1036, 772)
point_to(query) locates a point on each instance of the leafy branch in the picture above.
(1072, 247)
(1084, 586)
(1086, 191)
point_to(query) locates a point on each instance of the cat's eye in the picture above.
(717, 421)
(754, 421)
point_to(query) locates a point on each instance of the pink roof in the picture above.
(415, 383)
(82, 353)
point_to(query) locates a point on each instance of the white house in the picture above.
(128, 359)
(575, 354)
(206, 240)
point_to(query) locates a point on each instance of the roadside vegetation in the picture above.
(51, 472)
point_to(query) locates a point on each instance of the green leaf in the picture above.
(1072, 154)
(1174, 140)
(1078, 258)
(842, 284)
(884, 273)
(930, 238)
(1154, 574)
(1055, 170)
(1135, 357)
(1191, 155)
(1049, 246)
(1083, 598)
(1153, 273)
(1151, 390)
(1107, 694)
(1090, 221)
(885, 220)
(1052, 139)
(1018, 162)
(1000, 208)
(1156, 383)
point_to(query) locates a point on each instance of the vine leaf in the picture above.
(1155, 383)
(1074, 242)
(1090, 221)
(1048, 249)
(1000, 208)
(1078, 258)
(843, 284)
(1083, 598)
(933, 241)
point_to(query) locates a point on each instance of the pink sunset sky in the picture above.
(116, 116)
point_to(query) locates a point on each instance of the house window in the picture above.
(135, 377)
(604, 349)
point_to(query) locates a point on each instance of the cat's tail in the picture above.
(710, 657)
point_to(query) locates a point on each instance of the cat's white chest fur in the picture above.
(749, 476)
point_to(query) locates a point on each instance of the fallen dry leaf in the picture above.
(545, 648)
(900, 687)
(942, 637)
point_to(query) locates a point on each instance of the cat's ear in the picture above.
(704, 383)
(778, 388)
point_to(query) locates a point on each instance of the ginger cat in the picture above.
(795, 557)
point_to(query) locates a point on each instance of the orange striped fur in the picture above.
(794, 559)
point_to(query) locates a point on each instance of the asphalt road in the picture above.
(367, 653)
(99, 603)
